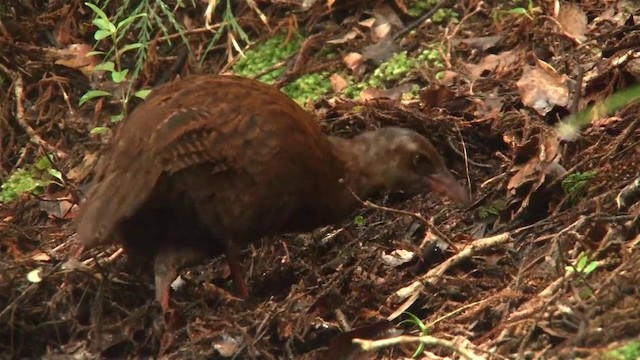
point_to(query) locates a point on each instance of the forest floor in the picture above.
(544, 265)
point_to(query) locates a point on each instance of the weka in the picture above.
(209, 164)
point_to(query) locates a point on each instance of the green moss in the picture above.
(266, 55)
(273, 51)
(576, 185)
(30, 179)
(630, 351)
(20, 182)
(396, 68)
(418, 7)
(311, 86)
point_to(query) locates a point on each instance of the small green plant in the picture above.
(32, 180)
(106, 29)
(396, 68)
(523, 11)
(359, 221)
(418, 324)
(393, 69)
(516, 10)
(418, 7)
(230, 24)
(582, 265)
(576, 185)
(630, 351)
(492, 209)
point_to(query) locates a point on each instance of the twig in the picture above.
(428, 223)
(430, 277)
(626, 134)
(466, 158)
(370, 345)
(18, 87)
(400, 34)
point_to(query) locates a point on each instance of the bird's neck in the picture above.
(355, 154)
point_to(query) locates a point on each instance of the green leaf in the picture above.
(97, 10)
(591, 267)
(91, 94)
(43, 163)
(104, 25)
(56, 174)
(130, 19)
(117, 118)
(582, 262)
(119, 76)
(142, 94)
(99, 130)
(129, 47)
(94, 53)
(101, 34)
(108, 66)
(518, 11)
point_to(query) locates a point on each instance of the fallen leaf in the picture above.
(354, 62)
(346, 37)
(74, 56)
(41, 257)
(380, 51)
(481, 43)
(397, 257)
(493, 64)
(573, 20)
(34, 275)
(542, 88)
(381, 31)
(338, 83)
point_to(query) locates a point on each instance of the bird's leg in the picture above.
(237, 274)
(165, 273)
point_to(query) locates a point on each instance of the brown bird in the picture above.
(209, 164)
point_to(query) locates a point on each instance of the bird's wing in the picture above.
(227, 123)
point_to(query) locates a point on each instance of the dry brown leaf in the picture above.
(381, 51)
(402, 6)
(381, 31)
(448, 77)
(338, 83)
(542, 88)
(493, 64)
(573, 20)
(74, 56)
(371, 93)
(82, 170)
(385, 14)
(481, 43)
(346, 37)
(367, 22)
(355, 62)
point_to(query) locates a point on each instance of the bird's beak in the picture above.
(444, 184)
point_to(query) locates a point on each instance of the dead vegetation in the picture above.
(545, 264)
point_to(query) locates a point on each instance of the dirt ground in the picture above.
(536, 269)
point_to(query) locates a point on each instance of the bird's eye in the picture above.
(420, 160)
